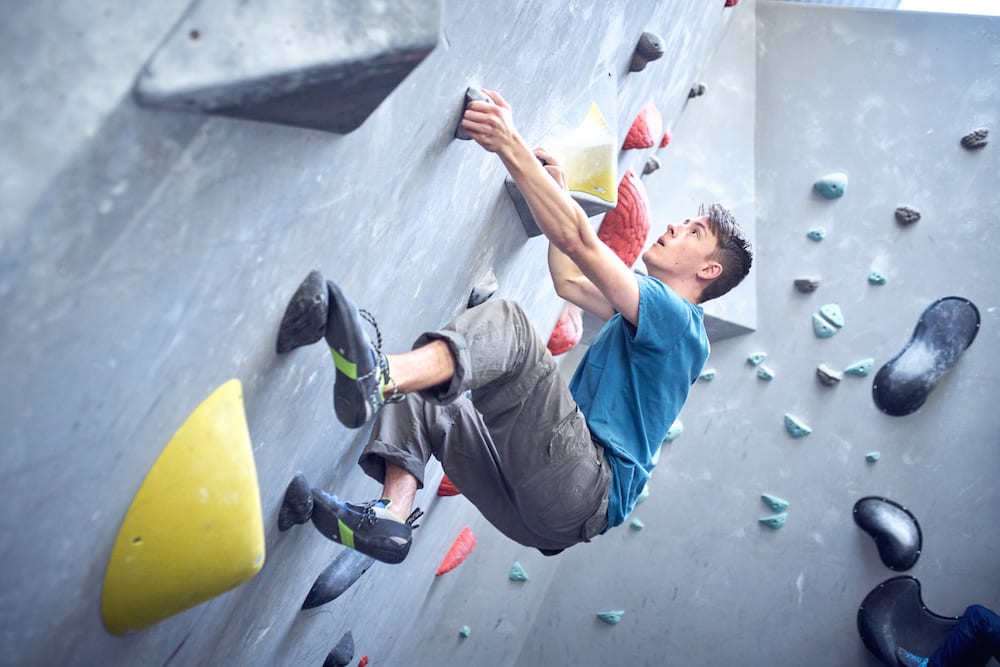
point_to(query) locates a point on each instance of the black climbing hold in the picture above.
(945, 329)
(894, 614)
(342, 654)
(652, 164)
(304, 321)
(649, 48)
(895, 531)
(483, 290)
(906, 215)
(338, 576)
(472, 94)
(975, 139)
(697, 89)
(806, 285)
(297, 505)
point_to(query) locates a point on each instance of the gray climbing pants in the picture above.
(519, 449)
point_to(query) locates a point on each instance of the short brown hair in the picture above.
(732, 251)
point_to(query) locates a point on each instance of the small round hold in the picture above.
(697, 90)
(465, 631)
(807, 285)
(876, 278)
(906, 215)
(817, 234)
(828, 376)
(649, 48)
(975, 139)
(652, 164)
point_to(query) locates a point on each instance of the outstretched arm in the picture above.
(559, 217)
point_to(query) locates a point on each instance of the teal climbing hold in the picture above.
(817, 234)
(643, 495)
(832, 185)
(821, 327)
(756, 358)
(774, 502)
(707, 375)
(611, 617)
(775, 521)
(876, 278)
(831, 312)
(517, 572)
(872, 457)
(675, 430)
(765, 373)
(860, 368)
(637, 524)
(796, 427)
(465, 631)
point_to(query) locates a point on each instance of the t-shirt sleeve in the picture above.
(663, 315)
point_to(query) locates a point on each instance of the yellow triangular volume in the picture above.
(589, 154)
(194, 529)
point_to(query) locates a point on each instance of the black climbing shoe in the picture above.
(907, 659)
(304, 322)
(362, 368)
(297, 506)
(369, 528)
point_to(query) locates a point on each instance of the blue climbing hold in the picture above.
(821, 327)
(675, 430)
(776, 521)
(817, 234)
(765, 373)
(774, 502)
(756, 358)
(637, 524)
(831, 312)
(876, 278)
(517, 572)
(861, 368)
(611, 617)
(796, 427)
(872, 457)
(707, 375)
(465, 631)
(832, 185)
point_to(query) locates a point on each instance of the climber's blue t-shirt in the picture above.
(633, 381)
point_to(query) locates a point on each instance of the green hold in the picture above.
(765, 373)
(707, 375)
(821, 327)
(776, 521)
(756, 358)
(643, 495)
(817, 234)
(832, 185)
(517, 573)
(611, 617)
(872, 457)
(831, 312)
(774, 502)
(860, 368)
(637, 524)
(876, 278)
(675, 430)
(797, 428)
(465, 631)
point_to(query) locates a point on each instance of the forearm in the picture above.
(562, 269)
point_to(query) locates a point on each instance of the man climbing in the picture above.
(549, 464)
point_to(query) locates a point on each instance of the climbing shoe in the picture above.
(369, 528)
(907, 659)
(362, 369)
(304, 321)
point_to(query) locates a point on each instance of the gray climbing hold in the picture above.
(338, 576)
(796, 427)
(611, 617)
(637, 524)
(894, 529)
(707, 375)
(765, 373)
(817, 234)
(776, 521)
(906, 215)
(774, 502)
(861, 368)
(649, 48)
(483, 290)
(821, 327)
(643, 495)
(472, 94)
(517, 572)
(697, 89)
(872, 457)
(652, 164)
(342, 654)
(807, 285)
(828, 376)
(975, 139)
(876, 278)
(833, 315)
(465, 631)
(832, 185)
(756, 358)
(675, 430)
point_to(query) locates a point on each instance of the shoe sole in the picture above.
(347, 340)
(326, 520)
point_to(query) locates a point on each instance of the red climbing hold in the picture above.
(447, 488)
(568, 331)
(459, 551)
(626, 226)
(732, 3)
(363, 662)
(647, 125)
(665, 141)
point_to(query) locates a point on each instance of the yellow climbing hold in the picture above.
(194, 529)
(589, 156)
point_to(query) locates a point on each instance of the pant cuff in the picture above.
(447, 392)
(377, 453)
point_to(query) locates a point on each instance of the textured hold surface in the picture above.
(517, 572)
(446, 488)
(860, 368)
(796, 427)
(649, 48)
(776, 521)
(568, 330)
(975, 139)
(626, 227)
(483, 290)
(774, 502)
(756, 358)
(872, 457)
(894, 529)
(828, 376)
(876, 278)
(821, 327)
(906, 215)
(807, 285)
(667, 138)
(304, 321)
(611, 617)
(636, 524)
(697, 89)
(832, 313)
(675, 430)
(707, 375)
(338, 576)
(817, 234)
(460, 549)
(465, 631)
(646, 129)
(945, 329)
(472, 94)
(894, 614)
(652, 164)
(765, 373)
(194, 529)
(341, 654)
(331, 76)
(832, 185)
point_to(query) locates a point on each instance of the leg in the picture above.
(971, 642)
